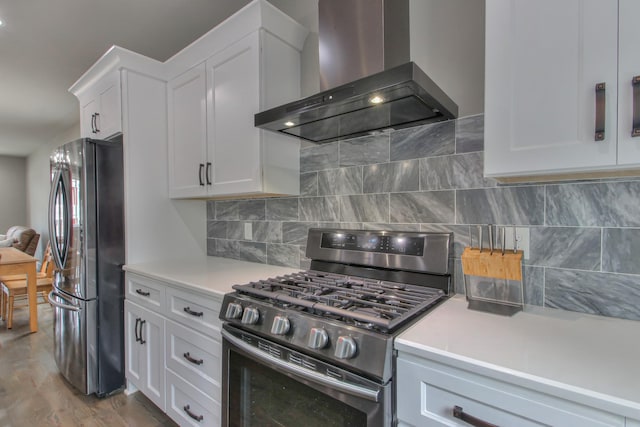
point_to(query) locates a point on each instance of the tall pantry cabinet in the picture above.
(138, 113)
(249, 63)
(559, 96)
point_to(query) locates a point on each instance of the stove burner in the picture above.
(363, 302)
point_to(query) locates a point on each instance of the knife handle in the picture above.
(490, 226)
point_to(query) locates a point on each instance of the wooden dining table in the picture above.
(14, 261)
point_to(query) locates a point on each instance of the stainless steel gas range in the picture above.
(315, 348)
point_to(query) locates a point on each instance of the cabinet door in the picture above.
(88, 111)
(188, 133)
(109, 119)
(629, 68)
(543, 62)
(233, 98)
(144, 337)
(133, 358)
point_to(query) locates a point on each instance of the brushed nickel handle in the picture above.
(635, 84)
(459, 413)
(600, 110)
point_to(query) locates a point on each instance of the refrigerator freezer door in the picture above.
(74, 340)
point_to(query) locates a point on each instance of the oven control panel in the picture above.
(373, 242)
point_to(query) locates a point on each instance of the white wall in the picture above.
(305, 12)
(447, 42)
(39, 181)
(13, 192)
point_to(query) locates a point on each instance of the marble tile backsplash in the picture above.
(584, 236)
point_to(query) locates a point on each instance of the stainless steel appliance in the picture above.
(315, 348)
(86, 229)
(367, 80)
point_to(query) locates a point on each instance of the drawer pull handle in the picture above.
(635, 84)
(192, 360)
(143, 293)
(193, 313)
(198, 418)
(600, 111)
(458, 413)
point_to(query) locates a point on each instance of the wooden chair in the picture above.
(16, 286)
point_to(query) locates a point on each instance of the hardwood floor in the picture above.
(33, 393)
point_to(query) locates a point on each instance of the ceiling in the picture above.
(45, 46)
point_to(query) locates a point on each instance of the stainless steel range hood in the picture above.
(367, 80)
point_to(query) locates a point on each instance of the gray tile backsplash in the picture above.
(584, 236)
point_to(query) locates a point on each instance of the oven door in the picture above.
(265, 384)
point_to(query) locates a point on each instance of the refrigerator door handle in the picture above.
(53, 295)
(59, 183)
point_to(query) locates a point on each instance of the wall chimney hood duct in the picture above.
(367, 81)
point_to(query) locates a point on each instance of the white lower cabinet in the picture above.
(430, 393)
(178, 366)
(144, 338)
(632, 423)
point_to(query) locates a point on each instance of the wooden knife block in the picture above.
(506, 267)
(496, 265)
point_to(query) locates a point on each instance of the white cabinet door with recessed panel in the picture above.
(101, 108)
(629, 84)
(551, 82)
(189, 169)
(233, 98)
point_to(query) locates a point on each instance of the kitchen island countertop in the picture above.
(211, 275)
(588, 359)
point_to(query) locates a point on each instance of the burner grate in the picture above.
(364, 302)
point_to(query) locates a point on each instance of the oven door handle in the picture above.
(352, 389)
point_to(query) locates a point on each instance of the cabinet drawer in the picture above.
(429, 391)
(195, 311)
(146, 292)
(188, 406)
(194, 357)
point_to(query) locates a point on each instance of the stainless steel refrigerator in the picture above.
(86, 229)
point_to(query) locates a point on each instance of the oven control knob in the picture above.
(280, 326)
(250, 316)
(345, 348)
(318, 338)
(234, 311)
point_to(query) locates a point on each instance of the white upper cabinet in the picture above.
(233, 97)
(556, 100)
(628, 92)
(101, 110)
(247, 64)
(188, 133)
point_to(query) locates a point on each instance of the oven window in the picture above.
(261, 396)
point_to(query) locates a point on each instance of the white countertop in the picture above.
(589, 359)
(211, 275)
